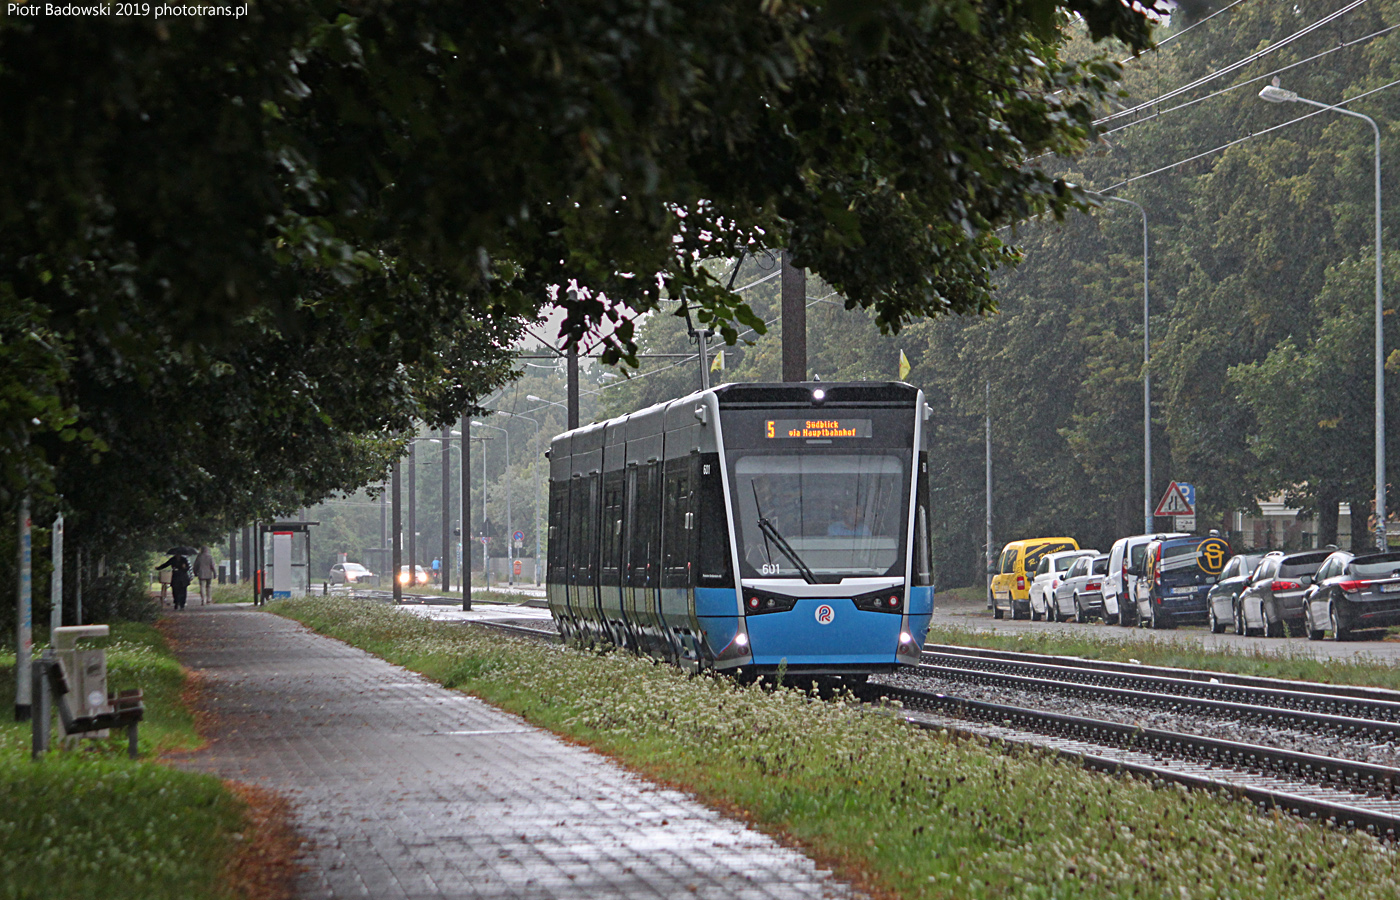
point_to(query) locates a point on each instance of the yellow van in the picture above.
(1011, 585)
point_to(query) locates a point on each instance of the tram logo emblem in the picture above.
(825, 614)
(1210, 555)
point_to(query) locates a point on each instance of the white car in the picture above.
(1080, 594)
(1048, 576)
(1124, 558)
(351, 573)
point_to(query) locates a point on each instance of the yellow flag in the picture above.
(904, 366)
(718, 364)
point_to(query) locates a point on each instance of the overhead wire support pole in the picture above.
(445, 562)
(572, 397)
(396, 554)
(1147, 509)
(990, 550)
(794, 307)
(466, 567)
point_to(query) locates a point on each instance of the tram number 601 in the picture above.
(770, 569)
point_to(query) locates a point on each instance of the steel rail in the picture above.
(1296, 696)
(1341, 792)
(1345, 726)
(1338, 690)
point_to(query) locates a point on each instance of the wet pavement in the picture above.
(404, 789)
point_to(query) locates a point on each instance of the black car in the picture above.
(1226, 592)
(1351, 592)
(1273, 600)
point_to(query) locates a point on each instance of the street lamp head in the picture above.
(536, 399)
(1275, 94)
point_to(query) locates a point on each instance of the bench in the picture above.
(51, 688)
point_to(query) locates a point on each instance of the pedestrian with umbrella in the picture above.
(179, 566)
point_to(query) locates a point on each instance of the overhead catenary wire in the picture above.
(1241, 140)
(1345, 45)
(1234, 66)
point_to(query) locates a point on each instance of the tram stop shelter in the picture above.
(282, 560)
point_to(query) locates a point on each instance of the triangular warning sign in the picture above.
(1174, 503)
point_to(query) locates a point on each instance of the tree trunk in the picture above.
(1361, 540)
(1327, 501)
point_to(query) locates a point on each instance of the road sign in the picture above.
(1175, 503)
(1190, 491)
(518, 536)
(1186, 523)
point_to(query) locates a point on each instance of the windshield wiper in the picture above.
(771, 533)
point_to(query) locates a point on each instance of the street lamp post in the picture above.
(1275, 94)
(1147, 510)
(446, 441)
(510, 527)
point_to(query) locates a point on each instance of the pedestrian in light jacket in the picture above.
(204, 570)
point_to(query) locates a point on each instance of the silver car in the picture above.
(351, 573)
(1080, 594)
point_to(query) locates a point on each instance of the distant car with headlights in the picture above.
(420, 576)
(1273, 601)
(352, 573)
(1351, 592)
(1224, 597)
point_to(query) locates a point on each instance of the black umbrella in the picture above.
(182, 551)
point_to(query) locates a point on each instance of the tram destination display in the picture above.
(776, 429)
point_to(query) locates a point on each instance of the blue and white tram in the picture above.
(753, 525)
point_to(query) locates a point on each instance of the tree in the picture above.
(1313, 406)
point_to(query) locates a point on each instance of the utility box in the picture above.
(86, 670)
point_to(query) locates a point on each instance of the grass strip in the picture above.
(1264, 661)
(912, 814)
(88, 822)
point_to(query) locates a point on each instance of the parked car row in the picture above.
(1310, 593)
(1161, 580)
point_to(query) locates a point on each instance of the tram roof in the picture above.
(649, 420)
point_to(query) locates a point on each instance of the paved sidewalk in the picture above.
(407, 790)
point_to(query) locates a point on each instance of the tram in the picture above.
(754, 526)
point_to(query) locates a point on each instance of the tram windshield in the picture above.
(821, 517)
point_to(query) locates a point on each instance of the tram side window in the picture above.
(612, 527)
(583, 514)
(644, 557)
(558, 531)
(716, 560)
(678, 526)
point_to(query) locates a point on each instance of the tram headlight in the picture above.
(819, 395)
(905, 637)
(741, 639)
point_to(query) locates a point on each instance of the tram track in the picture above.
(1290, 703)
(1341, 792)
